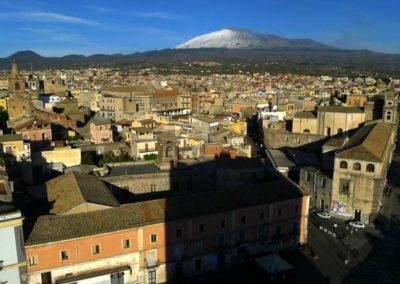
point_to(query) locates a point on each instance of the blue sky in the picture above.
(54, 28)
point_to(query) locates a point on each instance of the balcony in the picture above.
(151, 263)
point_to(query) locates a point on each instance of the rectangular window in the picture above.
(262, 216)
(344, 187)
(201, 228)
(296, 209)
(178, 233)
(243, 220)
(323, 183)
(279, 212)
(126, 243)
(153, 187)
(33, 260)
(198, 245)
(95, 249)
(153, 238)
(152, 277)
(64, 255)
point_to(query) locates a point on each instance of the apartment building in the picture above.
(149, 241)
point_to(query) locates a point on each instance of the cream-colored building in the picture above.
(360, 169)
(305, 122)
(329, 121)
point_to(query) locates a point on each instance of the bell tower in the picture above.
(18, 103)
(390, 108)
(16, 83)
(167, 150)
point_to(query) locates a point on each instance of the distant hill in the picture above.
(294, 60)
(245, 39)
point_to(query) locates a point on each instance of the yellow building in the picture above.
(3, 104)
(360, 171)
(12, 145)
(239, 127)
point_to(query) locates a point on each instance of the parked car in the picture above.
(324, 215)
(357, 224)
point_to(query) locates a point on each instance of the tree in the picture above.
(150, 157)
(87, 159)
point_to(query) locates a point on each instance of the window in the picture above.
(279, 212)
(153, 238)
(223, 224)
(178, 233)
(370, 168)
(198, 245)
(221, 241)
(343, 164)
(126, 243)
(328, 131)
(357, 166)
(339, 130)
(152, 277)
(64, 255)
(323, 183)
(242, 236)
(33, 260)
(344, 187)
(262, 216)
(296, 209)
(263, 233)
(153, 188)
(201, 228)
(307, 175)
(243, 220)
(96, 249)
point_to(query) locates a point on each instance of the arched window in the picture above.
(370, 168)
(357, 166)
(306, 130)
(17, 87)
(343, 165)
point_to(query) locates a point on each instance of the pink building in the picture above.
(35, 130)
(100, 132)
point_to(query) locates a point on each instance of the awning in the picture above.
(92, 274)
(273, 264)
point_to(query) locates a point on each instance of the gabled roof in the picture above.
(63, 227)
(73, 189)
(367, 144)
(340, 109)
(305, 114)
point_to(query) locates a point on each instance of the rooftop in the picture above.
(367, 144)
(74, 188)
(63, 227)
(340, 109)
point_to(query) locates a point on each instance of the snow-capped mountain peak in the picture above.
(242, 39)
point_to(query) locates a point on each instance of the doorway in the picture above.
(357, 215)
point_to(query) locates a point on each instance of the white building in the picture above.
(12, 252)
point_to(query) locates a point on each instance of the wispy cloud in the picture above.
(46, 17)
(159, 15)
(48, 35)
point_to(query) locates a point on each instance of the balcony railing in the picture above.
(149, 263)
